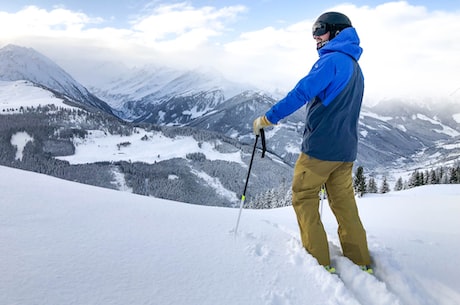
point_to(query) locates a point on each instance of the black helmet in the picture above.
(330, 22)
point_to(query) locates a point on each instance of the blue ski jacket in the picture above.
(333, 93)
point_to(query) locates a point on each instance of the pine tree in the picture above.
(359, 182)
(441, 175)
(385, 187)
(453, 175)
(416, 179)
(399, 184)
(433, 179)
(444, 178)
(372, 186)
(426, 178)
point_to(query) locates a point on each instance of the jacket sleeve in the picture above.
(317, 80)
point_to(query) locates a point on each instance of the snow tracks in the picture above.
(390, 285)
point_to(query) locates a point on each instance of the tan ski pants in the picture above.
(309, 175)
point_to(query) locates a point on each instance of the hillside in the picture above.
(69, 243)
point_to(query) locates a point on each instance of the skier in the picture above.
(333, 93)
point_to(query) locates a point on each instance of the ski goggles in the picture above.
(319, 29)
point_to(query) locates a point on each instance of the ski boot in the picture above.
(367, 268)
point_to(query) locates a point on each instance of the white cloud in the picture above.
(33, 20)
(274, 57)
(408, 50)
(181, 27)
(182, 18)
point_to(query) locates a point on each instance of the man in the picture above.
(333, 93)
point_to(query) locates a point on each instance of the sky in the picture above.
(410, 47)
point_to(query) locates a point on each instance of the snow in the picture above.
(20, 140)
(69, 243)
(194, 113)
(20, 63)
(291, 148)
(451, 146)
(445, 129)
(17, 94)
(173, 177)
(456, 117)
(143, 146)
(215, 183)
(402, 127)
(376, 116)
(159, 83)
(120, 181)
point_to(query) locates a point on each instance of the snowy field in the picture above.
(145, 146)
(68, 243)
(16, 94)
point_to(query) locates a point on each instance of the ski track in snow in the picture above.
(389, 285)
(303, 263)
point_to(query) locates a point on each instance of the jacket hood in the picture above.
(346, 42)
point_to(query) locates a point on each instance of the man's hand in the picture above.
(260, 123)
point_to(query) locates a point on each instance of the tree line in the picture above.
(439, 175)
(281, 196)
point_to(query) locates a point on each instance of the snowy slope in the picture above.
(20, 63)
(17, 94)
(61, 247)
(152, 147)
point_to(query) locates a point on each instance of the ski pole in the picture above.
(243, 197)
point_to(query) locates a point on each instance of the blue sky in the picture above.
(410, 47)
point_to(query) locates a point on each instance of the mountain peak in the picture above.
(22, 63)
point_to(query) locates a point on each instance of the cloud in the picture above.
(33, 20)
(273, 57)
(182, 27)
(409, 51)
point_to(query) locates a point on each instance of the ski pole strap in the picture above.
(264, 146)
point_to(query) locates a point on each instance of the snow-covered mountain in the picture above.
(162, 95)
(400, 137)
(393, 134)
(20, 63)
(69, 243)
(411, 135)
